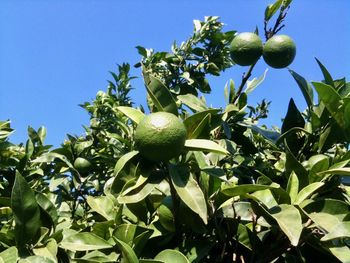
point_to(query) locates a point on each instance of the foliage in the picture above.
(238, 193)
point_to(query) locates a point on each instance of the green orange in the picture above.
(279, 51)
(82, 165)
(246, 48)
(160, 136)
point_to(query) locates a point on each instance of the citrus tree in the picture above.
(182, 181)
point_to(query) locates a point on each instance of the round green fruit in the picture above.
(279, 51)
(246, 48)
(82, 165)
(160, 136)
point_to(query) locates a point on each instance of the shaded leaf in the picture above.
(129, 255)
(25, 210)
(245, 189)
(188, 190)
(304, 87)
(122, 161)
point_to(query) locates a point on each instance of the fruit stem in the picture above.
(245, 78)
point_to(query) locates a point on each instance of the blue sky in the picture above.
(56, 54)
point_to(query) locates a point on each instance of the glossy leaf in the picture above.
(84, 241)
(25, 210)
(331, 99)
(122, 161)
(327, 76)
(307, 191)
(289, 220)
(133, 114)
(188, 190)
(245, 189)
(304, 87)
(341, 230)
(129, 255)
(205, 145)
(160, 95)
(193, 102)
(171, 256)
(272, 9)
(293, 186)
(103, 205)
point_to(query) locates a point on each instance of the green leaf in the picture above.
(347, 117)
(103, 205)
(272, 9)
(254, 83)
(171, 256)
(36, 259)
(135, 236)
(304, 87)
(327, 77)
(122, 161)
(25, 210)
(141, 192)
(204, 124)
(307, 191)
(289, 220)
(331, 99)
(341, 252)
(133, 114)
(161, 96)
(199, 122)
(292, 164)
(326, 213)
(341, 171)
(129, 255)
(84, 241)
(48, 207)
(193, 102)
(293, 119)
(9, 255)
(245, 189)
(293, 186)
(205, 145)
(341, 230)
(49, 250)
(188, 190)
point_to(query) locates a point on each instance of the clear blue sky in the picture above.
(56, 54)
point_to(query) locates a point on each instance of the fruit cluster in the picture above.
(278, 51)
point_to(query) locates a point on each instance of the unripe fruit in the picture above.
(160, 136)
(279, 51)
(246, 48)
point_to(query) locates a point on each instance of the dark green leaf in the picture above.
(161, 96)
(327, 77)
(304, 87)
(26, 211)
(188, 190)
